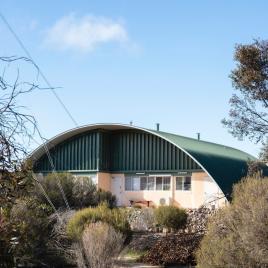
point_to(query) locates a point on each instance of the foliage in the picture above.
(264, 152)
(60, 251)
(105, 196)
(16, 129)
(115, 217)
(256, 168)
(30, 227)
(237, 235)
(248, 115)
(6, 257)
(141, 219)
(101, 243)
(171, 217)
(174, 249)
(51, 184)
(80, 192)
(79, 255)
(83, 192)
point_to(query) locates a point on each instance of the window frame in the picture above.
(148, 185)
(183, 183)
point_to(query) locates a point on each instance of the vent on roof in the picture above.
(198, 136)
(157, 126)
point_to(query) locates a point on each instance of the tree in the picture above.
(248, 116)
(264, 152)
(237, 234)
(16, 130)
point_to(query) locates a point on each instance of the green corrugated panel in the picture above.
(117, 151)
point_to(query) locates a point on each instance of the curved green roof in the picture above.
(225, 165)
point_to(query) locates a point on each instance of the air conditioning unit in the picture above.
(165, 201)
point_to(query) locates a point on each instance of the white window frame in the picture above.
(183, 183)
(132, 177)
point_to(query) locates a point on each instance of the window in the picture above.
(183, 183)
(179, 183)
(149, 183)
(143, 183)
(187, 183)
(159, 183)
(166, 183)
(128, 184)
(136, 183)
(132, 183)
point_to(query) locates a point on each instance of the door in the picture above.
(116, 188)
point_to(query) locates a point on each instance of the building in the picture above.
(147, 166)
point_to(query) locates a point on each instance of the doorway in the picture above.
(116, 189)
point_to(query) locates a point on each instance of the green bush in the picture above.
(170, 217)
(50, 184)
(84, 193)
(115, 217)
(30, 230)
(105, 196)
(80, 192)
(237, 234)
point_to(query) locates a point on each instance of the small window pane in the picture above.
(159, 183)
(150, 183)
(128, 184)
(166, 183)
(135, 183)
(187, 183)
(143, 183)
(179, 183)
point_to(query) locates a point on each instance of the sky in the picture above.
(149, 62)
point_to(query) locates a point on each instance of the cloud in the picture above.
(84, 33)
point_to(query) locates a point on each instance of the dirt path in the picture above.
(125, 262)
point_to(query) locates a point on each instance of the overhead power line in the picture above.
(53, 169)
(40, 71)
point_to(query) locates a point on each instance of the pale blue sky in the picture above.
(145, 61)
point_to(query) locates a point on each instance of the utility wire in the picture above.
(46, 196)
(53, 169)
(40, 71)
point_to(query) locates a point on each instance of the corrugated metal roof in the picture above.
(226, 165)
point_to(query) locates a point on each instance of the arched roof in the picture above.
(225, 165)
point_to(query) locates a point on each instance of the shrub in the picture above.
(80, 192)
(60, 250)
(237, 235)
(141, 219)
(31, 230)
(115, 217)
(50, 184)
(84, 193)
(170, 217)
(105, 196)
(101, 243)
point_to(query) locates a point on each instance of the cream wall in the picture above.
(197, 196)
(104, 181)
(193, 198)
